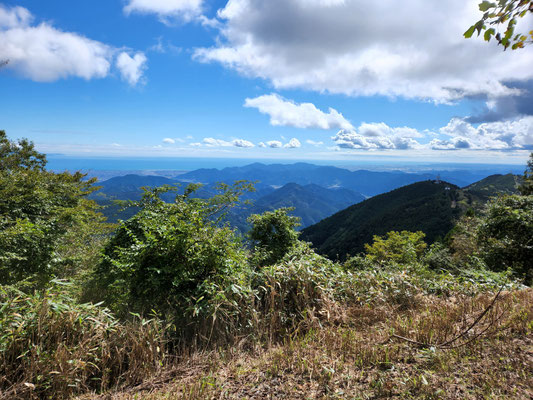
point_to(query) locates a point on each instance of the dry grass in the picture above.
(350, 353)
(52, 347)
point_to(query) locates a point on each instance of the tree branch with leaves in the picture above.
(503, 13)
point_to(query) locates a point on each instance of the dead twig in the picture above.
(447, 344)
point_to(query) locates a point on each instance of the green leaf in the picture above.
(468, 34)
(486, 5)
(489, 33)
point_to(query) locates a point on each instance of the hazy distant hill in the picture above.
(426, 206)
(312, 203)
(368, 183)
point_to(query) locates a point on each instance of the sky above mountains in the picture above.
(288, 79)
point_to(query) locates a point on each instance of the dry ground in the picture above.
(352, 354)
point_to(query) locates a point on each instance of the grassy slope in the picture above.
(352, 356)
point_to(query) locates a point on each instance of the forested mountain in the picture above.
(423, 206)
(494, 185)
(368, 183)
(311, 203)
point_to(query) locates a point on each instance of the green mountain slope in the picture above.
(494, 185)
(426, 206)
(311, 203)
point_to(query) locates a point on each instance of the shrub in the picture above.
(273, 235)
(174, 260)
(400, 247)
(505, 235)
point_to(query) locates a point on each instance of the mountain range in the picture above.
(394, 200)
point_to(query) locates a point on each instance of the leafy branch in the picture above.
(503, 13)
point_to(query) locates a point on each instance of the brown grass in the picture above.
(350, 353)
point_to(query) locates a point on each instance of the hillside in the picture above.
(369, 183)
(425, 206)
(311, 203)
(494, 185)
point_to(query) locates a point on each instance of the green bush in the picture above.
(505, 235)
(400, 247)
(174, 260)
(273, 235)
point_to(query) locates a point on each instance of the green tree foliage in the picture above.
(273, 235)
(171, 257)
(38, 209)
(505, 235)
(503, 13)
(401, 247)
(527, 185)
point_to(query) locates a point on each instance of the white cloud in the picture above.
(243, 143)
(44, 53)
(378, 136)
(275, 144)
(458, 134)
(285, 112)
(293, 144)
(14, 17)
(211, 142)
(165, 9)
(169, 141)
(313, 143)
(131, 68)
(261, 144)
(504, 135)
(357, 47)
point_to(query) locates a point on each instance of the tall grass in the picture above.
(52, 347)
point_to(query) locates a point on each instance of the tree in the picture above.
(401, 247)
(169, 257)
(273, 234)
(505, 235)
(38, 209)
(503, 13)
(527, 185)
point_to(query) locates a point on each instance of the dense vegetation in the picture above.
(98, 311)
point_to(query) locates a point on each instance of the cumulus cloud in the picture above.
(243, 143)
(131, 68)
(502, 135)
(166, 9)
(353, 47)
(169, 141)
(378, 136)
(44, 53)
(212, 142)
(293, 144)
(285, 112)
(458, 134)
(261, 144)
(275, 144)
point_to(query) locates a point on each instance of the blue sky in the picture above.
(288, 79)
